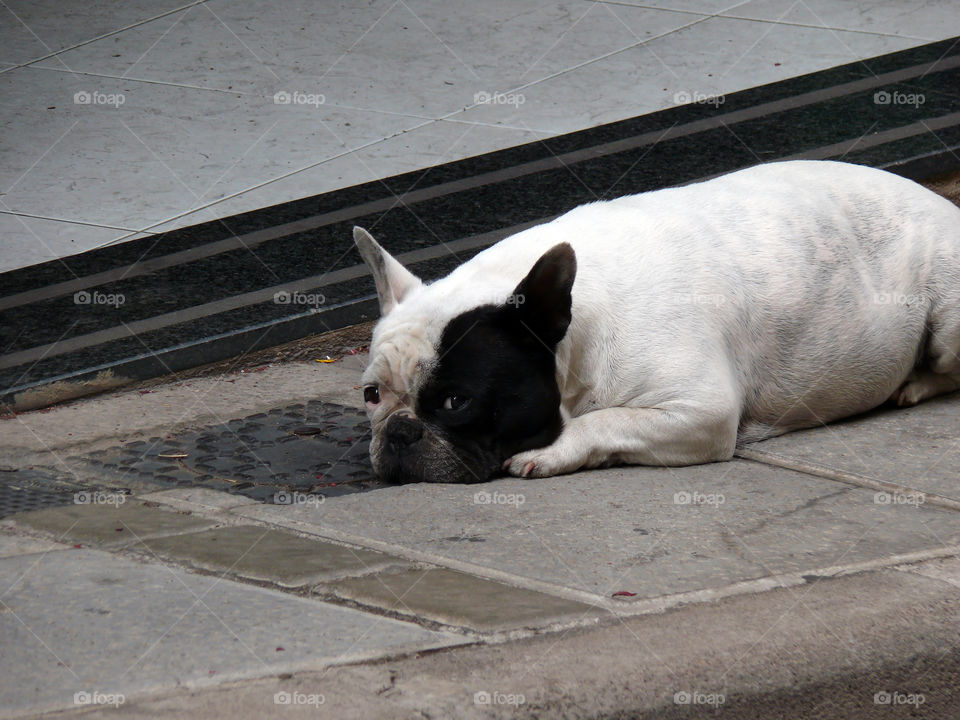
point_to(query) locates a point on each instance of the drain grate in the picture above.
(25, 490)
(315, 448)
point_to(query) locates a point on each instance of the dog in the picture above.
(667, 328)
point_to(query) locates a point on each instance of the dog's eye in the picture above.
(455, 402)
(371, 395)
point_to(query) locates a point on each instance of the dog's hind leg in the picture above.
(923, 384)
(940, 372)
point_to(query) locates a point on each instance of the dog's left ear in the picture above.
(393, 280)
(542, 300)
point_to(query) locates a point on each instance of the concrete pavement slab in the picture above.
(455, 598)
(917, 447)
(647, 531)
(823, 651)
(86, 621)
(259, 553)
(109, 519)
(12, 544)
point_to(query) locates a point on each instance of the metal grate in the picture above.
(315, 448)
(25, 490)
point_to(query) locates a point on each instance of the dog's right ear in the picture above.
(543, 300)
(393, 280)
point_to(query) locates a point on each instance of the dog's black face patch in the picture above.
(492, 394)
(493, 391)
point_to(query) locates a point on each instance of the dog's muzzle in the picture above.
(406, 449)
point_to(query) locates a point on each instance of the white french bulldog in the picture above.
(667, 327)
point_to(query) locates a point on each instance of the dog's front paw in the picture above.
(544, 462)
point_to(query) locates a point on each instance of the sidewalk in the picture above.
(743, 589)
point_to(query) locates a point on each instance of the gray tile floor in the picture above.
(125, 119)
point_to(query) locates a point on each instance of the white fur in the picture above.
(774, 298)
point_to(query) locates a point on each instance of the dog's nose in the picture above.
(403, 431)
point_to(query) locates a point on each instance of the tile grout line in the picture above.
(728, 15)
(33, 216)
(848, 478)
(137, 24)
(146, 81)
(783, 580)
(827, 27)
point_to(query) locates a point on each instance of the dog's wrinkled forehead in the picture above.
(401, 356)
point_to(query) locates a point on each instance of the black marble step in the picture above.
(212, 291)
